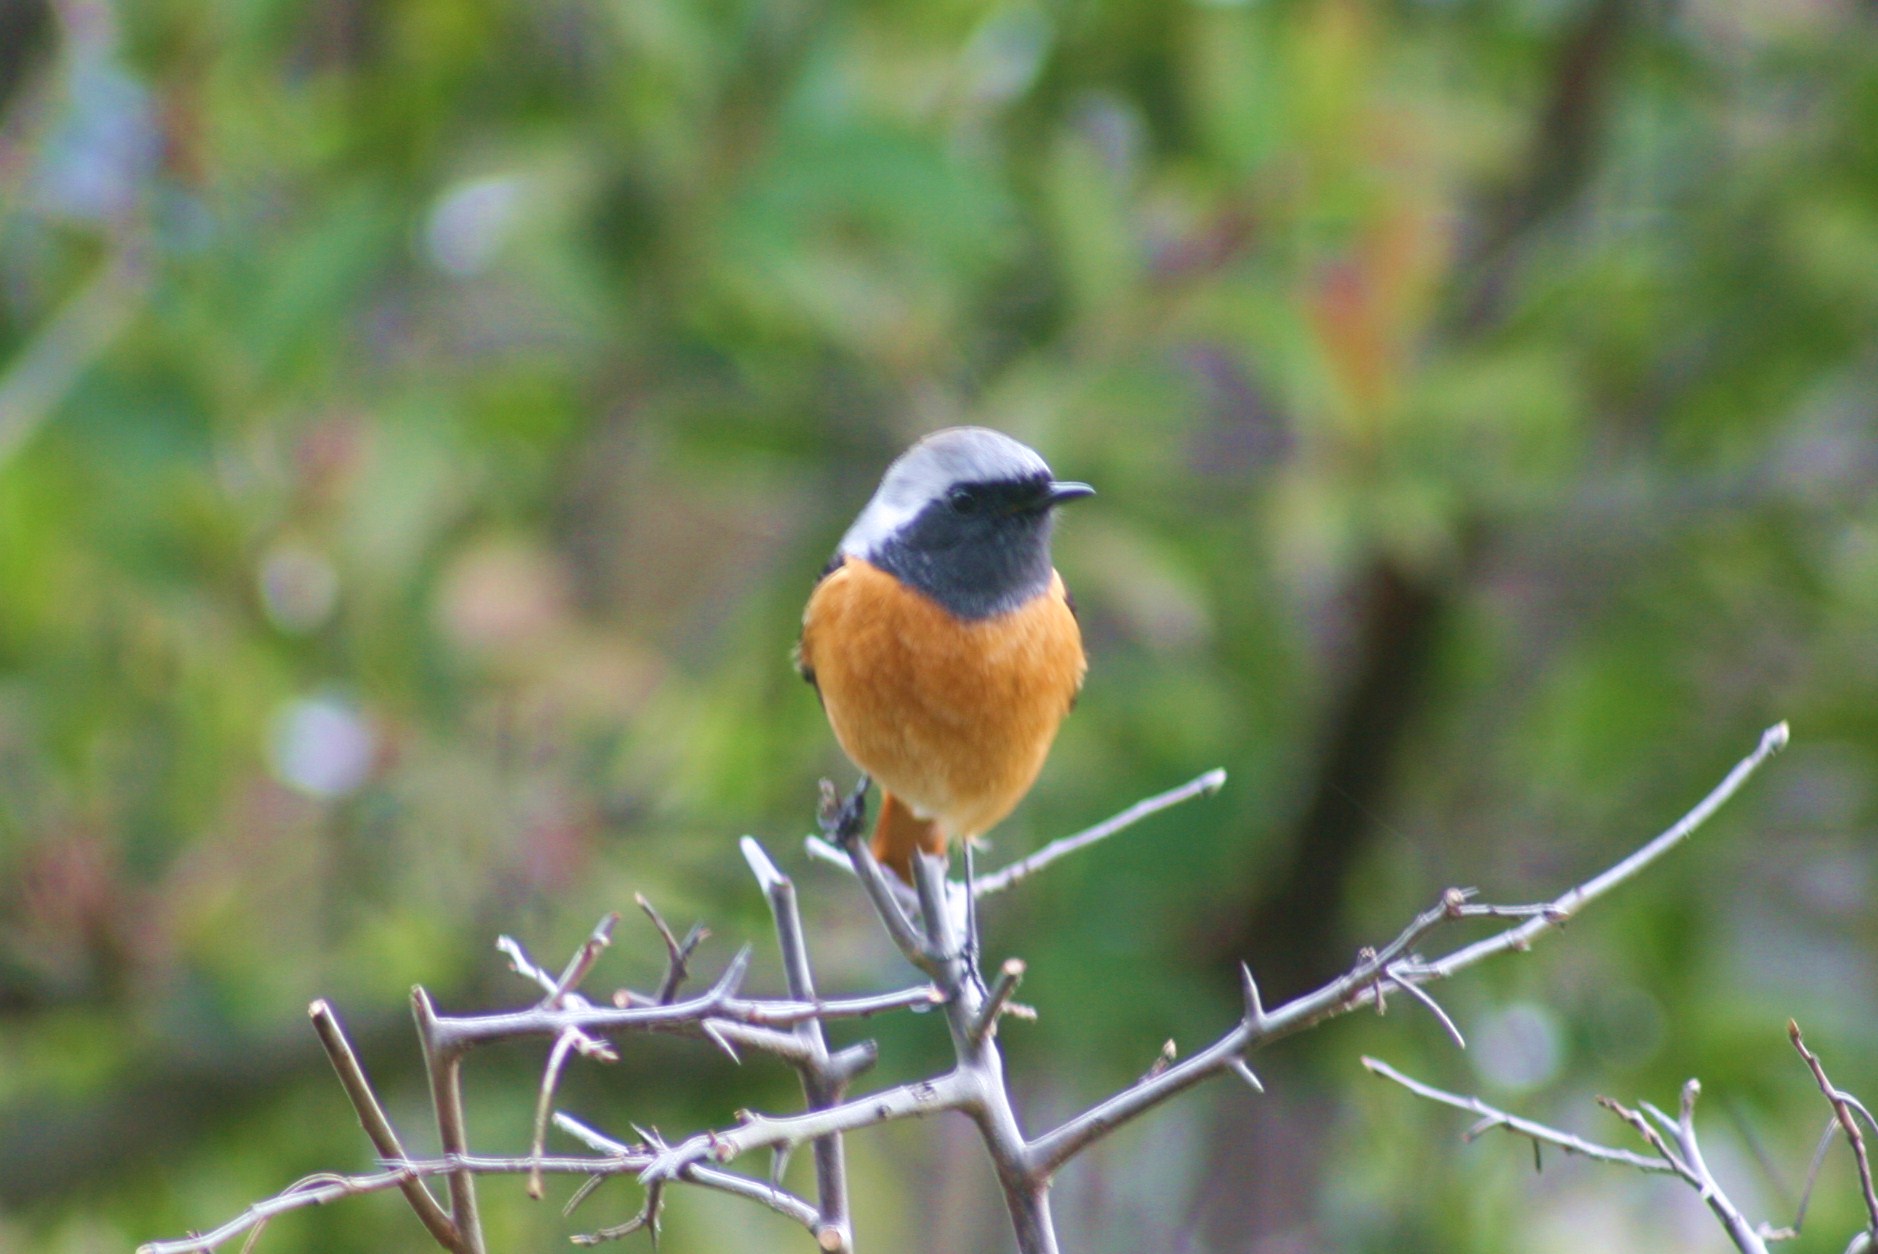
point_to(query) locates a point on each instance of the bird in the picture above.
(941, 640)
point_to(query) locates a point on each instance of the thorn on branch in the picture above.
(1405, 981)
(677, 953)
(732, 979)
(1254, 1004)
(717, 1038)
(778, 1162)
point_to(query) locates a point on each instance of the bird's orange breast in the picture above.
(953, 716)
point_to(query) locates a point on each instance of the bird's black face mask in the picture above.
(980, 550)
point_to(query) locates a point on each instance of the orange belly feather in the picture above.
(952, 717)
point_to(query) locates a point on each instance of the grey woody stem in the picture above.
(767, 1192)
(823, 1085)
(1683, 1159)
(683, 1016)
(1491, 1117)
(376, 1124)
(1743, 1233)
(444, 1062)
(997, 881)
(1362, 984)
(1845, 1110)
(615, 1161)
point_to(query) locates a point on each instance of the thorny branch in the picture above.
(1676, 1148)
(931, 926)
(1683, 1158)
(1492, 1117)
(618, 1160)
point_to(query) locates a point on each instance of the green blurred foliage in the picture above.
(421, 422)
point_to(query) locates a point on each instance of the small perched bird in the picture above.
(941, 640)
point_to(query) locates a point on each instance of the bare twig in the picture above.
(677, 953)
(648, 1217)
(1773, 740)
(680, 1016)
(523, 965)
(623, 1161)
(1842, 1109)
(314, 1192)
(1686, 1161)
(1667, 1158)
(1493, 1117)
(1054, 1148)
(376, 1123)
(760, 1132)
(544, 1100)
(1812, 1172)
(1682, 1159)
(720, 1002)
(766, 1192)
(591, 1046)
(1746, 1236)
(444, 1062)
(582, 962)
(560, 994)
(824, 1084)
(1359, 987)
(1200, 786)
(1427, 999)
(1356, 988)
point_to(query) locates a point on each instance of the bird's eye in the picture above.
(963, 501)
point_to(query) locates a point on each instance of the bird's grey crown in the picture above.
(931, 468)
(964, 517)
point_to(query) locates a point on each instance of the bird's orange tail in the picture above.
(900, 832)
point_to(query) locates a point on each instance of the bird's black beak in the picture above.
(1061, 491)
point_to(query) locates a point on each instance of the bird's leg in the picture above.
(844, 819)
(969, 951)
